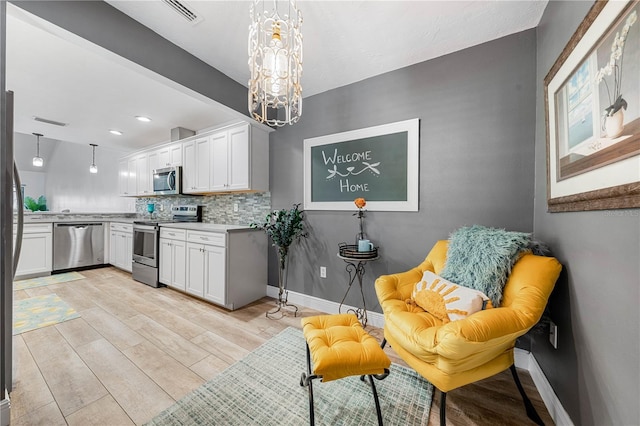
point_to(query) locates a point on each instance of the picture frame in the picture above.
(379, 164)
(592, 113)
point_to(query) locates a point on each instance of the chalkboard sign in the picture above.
(379, 164)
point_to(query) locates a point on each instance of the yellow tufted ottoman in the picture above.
(339, 347)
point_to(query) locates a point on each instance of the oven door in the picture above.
(145, 245)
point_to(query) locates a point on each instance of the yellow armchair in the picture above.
(453, 354)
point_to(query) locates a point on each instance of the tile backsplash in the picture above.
(252, 207)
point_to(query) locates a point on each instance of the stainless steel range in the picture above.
(146, 236)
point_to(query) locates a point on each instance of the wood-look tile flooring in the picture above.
(135, 350)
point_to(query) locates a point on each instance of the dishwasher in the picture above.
(77, 245)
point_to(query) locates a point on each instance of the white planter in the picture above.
(614, 124)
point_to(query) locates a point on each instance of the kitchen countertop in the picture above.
(210, 227)
(55, 217)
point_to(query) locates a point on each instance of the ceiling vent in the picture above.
(55, 123)
(189, 15)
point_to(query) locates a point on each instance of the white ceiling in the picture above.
(58, 76)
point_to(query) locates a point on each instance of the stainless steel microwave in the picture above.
(167, 181)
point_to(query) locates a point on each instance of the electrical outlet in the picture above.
(235, 207)
(553, 334)
(323, 272)
(161, 207)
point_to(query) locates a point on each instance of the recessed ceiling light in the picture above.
(143, 118)
(115, 132)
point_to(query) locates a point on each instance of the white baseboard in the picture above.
(551, 401)
(522, 359)
(374, 318)
(5, 411)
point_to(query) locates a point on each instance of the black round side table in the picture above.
(355, 269)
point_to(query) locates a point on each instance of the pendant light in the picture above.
(37, 160)
(93, 168)
(275, 62)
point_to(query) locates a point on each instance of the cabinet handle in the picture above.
(204, 238)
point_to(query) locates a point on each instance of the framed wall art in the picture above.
(592, 103)
(379, 164)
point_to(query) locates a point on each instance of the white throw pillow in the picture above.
(446, 300)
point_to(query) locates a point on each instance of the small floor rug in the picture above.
(52, 279)
(40, 311)
(264, 389)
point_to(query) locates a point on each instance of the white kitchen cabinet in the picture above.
(173, 258)
(206, 265)
(240, 159)
(233, 158)
(123, 178)
(215, 284)
(132, 171)
(170, 155)
(153, 162)
(36, 255)
(143, 176)
(121, 245)
(196, 158)
(219, 161)
(226, 268)
(195, 269)
(127, 172)
(134, 176)
(165, 156)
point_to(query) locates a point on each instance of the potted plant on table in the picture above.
(283, 227)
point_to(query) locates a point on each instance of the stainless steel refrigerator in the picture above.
(8, 254)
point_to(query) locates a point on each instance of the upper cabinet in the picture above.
(234, 158)
(196, 156)
(127, 172)
(143, 176)
(170, 155)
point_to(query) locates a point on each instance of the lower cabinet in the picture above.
(225, 268)
(173, 258)
(206, 272)
(36, 255)
(206, 257)
(121, 245)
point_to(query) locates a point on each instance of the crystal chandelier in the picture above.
(275, 61)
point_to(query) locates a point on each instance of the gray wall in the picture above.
(476, 110)
(595, 370)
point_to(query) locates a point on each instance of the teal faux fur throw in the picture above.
(481, 258)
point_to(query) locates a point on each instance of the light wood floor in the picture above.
(135, 350)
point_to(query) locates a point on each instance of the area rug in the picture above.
(42, 281)
(264, 389)
(40, 311)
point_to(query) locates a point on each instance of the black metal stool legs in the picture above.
(307, 380)
(531, 411)
(443, 408)
(375, 398)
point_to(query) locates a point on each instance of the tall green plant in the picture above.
(283, 227)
